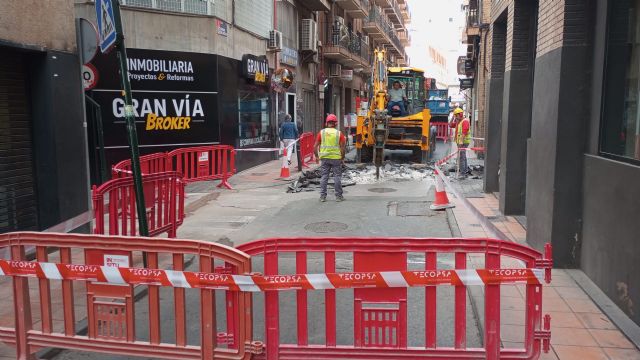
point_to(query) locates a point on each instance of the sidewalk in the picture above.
(579, 328)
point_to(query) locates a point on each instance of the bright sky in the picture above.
(430, 25)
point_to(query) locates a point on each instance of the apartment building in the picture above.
(562, 144)
(349, 33)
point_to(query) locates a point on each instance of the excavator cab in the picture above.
(412, 81)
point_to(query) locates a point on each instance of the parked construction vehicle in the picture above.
(377, 129)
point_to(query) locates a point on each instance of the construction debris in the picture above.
(353, 174)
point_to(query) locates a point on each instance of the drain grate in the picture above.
(382, 190)
(326, 227)
(259, 174)
(411, 208)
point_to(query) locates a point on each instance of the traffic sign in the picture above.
(87, 41)
(89, 77)
(106, 24)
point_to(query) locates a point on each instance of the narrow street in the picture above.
(259, 207)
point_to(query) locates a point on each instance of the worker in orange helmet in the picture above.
(330, 149)
(463, 139)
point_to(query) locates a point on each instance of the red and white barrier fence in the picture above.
(259, 283)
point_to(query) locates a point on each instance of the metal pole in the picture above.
(131, 122)
(97, 111)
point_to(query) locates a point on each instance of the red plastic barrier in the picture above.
(149, 164)
(202, 163)
(443, 130)
(114, 322)
(307, 140)
(380, 324)
(114, 205)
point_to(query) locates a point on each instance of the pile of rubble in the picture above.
(353, 174)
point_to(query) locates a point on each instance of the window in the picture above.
(255, 16)
(620, 124)
(216, 8)
(254, 126)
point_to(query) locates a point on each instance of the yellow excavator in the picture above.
(378, 129)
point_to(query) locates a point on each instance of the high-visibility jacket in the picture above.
(330, 144)
(461, 138)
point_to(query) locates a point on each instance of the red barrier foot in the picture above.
(225, 183)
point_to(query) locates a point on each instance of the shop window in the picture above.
(620, 125)
(254, 125)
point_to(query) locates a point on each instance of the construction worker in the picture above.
(463, 139)
(288, 136)
(330, 149)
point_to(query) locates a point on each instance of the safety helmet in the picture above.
(331, 118)
(457, 111)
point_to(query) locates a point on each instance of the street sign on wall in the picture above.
(106, 24)
(466, 83)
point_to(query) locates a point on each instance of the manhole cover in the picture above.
(258, 174)
(326, 227)
(382, 190)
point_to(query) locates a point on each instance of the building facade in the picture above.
(43, 171)
(563, 143)
(349, 33)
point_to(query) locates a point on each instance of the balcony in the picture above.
(317, 5)
(404, 37)
(406, 14)
(395, 14)
(383, 3)
(356, 8)
(346, 48)
(473, 23)
(381, 29)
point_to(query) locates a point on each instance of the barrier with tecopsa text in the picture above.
(379, 279)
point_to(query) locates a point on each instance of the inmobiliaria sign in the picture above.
(174, 98)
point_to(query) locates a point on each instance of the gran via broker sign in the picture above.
(174, 97)
(255, 68)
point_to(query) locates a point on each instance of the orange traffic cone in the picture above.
(284, 171)
(441, 201)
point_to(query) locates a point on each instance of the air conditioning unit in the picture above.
(339, 20)
(335, 70)
(309, 35)
(275, 40)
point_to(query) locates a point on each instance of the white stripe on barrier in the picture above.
(1, 272)
(394, 279)
(112, 275)
(539, 273)
(177, 279)
(319, 281)
(245, 283)
(51, 271)
(469, 277)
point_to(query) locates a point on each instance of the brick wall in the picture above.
(550, 25)
(520, 25)
(498, 7)
(498, 50)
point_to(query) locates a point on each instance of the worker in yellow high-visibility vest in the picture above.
(330, 149)
(463, 139)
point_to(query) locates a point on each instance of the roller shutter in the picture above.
(18, 206)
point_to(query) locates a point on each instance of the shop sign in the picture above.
(255, 68)
(461, 65)
(289, 56)
(222, 28)
(346, 75)
(466, 83)
(174, 97)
